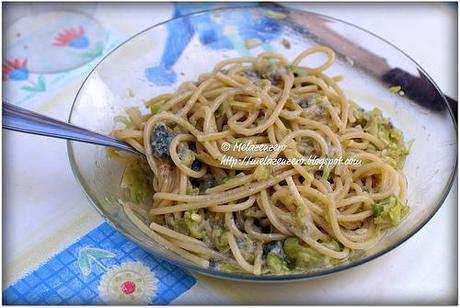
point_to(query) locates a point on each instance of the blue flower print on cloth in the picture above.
(103, 267)
(72, 37)
(210, 32)
(15, 70)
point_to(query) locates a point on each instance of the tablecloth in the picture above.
(51, 232)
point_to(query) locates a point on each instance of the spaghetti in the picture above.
(264, 219)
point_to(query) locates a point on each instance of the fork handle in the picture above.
(26, 121)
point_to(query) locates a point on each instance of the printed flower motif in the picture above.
(15, 70)
(72, 37)
(128, 283)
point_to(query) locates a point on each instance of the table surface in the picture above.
(40, 189)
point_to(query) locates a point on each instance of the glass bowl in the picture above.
(160, 58)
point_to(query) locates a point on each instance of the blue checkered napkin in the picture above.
(102, 267)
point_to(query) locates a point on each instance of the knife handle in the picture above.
(420, 89)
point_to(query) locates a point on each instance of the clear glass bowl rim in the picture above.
(246, 277)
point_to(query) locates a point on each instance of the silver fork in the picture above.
(26, 121)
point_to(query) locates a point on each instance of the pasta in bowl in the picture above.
(258, 167)
(270, 212)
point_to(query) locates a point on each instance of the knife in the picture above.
(418, 88)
